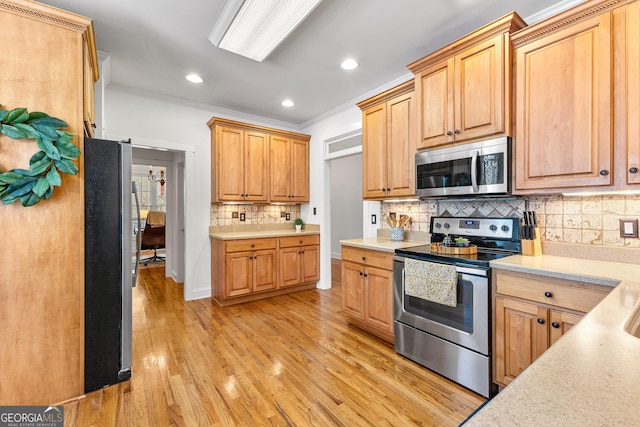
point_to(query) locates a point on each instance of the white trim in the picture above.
(346, 151)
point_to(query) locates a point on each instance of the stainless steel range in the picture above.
(451, 336)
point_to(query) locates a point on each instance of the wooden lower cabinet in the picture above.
(299, 260)
(367, 290)
(530, 314)
(249, 269)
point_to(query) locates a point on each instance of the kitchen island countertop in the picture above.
(591, 376)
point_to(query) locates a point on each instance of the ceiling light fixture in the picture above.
(349, 64)
(194, 78)
(287, 103)
(254, 28)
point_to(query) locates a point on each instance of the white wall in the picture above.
(346, 200)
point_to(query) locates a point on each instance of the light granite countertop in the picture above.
(381, 244)
(258, 231)
(591, 376)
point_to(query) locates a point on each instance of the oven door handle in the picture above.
(474, 171)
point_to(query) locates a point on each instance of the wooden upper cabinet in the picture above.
(388, 143)
(90, 75)
(564, 111)
(257, 164)
(240, 168)
(289, 181)
(630, 23)
(463, 90)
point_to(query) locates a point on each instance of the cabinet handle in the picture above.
(633, 170)
(388, 189)
(361, 273)
(548, 294)
(541, 320)
(449, 133)
(555, 325)
(457, 132)
(604, 172)
(93, 125)
(365, 275)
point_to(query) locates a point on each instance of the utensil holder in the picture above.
(532, 247)
(397, 234)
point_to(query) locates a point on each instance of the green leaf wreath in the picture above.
(56, 155)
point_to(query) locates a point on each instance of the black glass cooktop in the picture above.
(482, 258)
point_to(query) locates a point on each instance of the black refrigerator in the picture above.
(110, 262)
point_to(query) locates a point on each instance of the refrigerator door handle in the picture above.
(134, 190)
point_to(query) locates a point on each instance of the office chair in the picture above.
(153, 236)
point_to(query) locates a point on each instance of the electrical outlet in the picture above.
(242, 216)
(314, 211)
(629, 228)
(392, 215)
(282, 214)
(374, 219)
(234, 214)
(287, 216)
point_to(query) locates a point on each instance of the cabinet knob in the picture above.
(300, 241)
(604, 172)
(449, 133)
(93, 125)
(253, 246)
(361, 273)
(457, 132)
(633, 170)
(388, 189)
(364, 258)
(555, 324)
(365, 275)
(541, 320)
(548, 294)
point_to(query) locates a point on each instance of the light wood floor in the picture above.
(287, 361)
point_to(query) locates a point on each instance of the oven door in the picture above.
(466, 324)
(468, 169)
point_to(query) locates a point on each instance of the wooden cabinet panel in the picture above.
(290, 271)
(353, 289)
(299, 171)
(388, 143)
(239, 274)
(289, 180)
(309, 239)
(522, 339)
(374, 162)
(464, 89)
(368, 257)
(479, 90)
(561, 322)
(379, 298)
(280, 167)
(310, 264)
(564, 109)
(299, 260)
(632, 93)
(256, 166)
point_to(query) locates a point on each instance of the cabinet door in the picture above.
(280, 167)
(374, 152)
(633, 92)
(88, 90)
(521, 335)
(353, 290)
(299, 182)
(290, 271)
(310, 264)
(479, 90)
(434, 89)
(256, 166)
(230, 163)
(561, 322)
(238, 274)
(563, 108)
(401, 174)
(265, 268)
(378, 298)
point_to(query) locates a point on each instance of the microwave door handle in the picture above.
(474, 171)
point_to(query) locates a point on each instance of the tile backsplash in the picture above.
(222, 214)
(590, 220)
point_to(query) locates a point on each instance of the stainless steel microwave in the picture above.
(475, 169)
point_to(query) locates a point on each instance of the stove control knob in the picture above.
(493, 227)
(438, 225)
(446, 225)
(504, 228)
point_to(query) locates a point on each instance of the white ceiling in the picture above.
(153, 44)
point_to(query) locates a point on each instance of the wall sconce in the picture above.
(160, 179)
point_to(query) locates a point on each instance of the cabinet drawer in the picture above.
(249, 245)
(567, 294)
(368, 257)
(309, 239)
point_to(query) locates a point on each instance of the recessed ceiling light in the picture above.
(349, 64)
(287, 103)
(194, 78)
